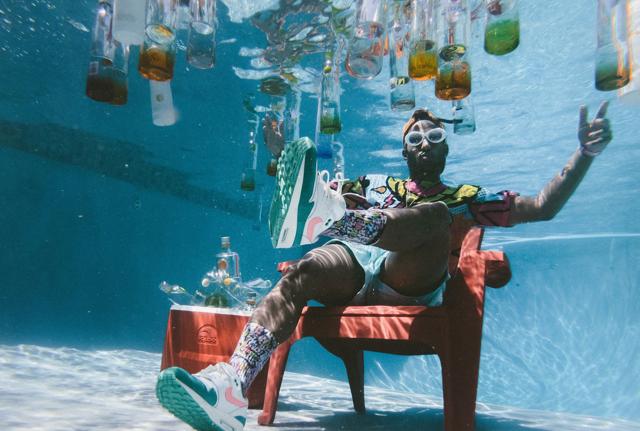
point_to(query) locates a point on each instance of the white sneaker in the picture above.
(210, 400)
(303, 204)
(329, 206)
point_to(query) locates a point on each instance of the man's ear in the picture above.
(404, 154)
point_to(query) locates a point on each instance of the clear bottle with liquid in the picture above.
(228, 263)
(201, 46)
(99, 85)
(613, 70)
(453, 81)
(464, 120)
(423, 53)
(366, 47)
(158, 53)
(329, 101)
(502, 27)
(401, 91)
(248, 178)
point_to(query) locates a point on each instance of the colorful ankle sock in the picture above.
(252, 351)
(359, 226)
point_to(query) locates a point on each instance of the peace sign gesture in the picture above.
(594, 136)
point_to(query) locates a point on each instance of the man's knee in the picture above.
(436, 219)
(300, 279)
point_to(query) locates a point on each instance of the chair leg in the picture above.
(278, 362)
(460, 385)
(354, 363)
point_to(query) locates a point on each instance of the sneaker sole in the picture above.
(181, 401)
(291, 204)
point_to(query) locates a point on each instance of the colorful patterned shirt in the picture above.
(473, 204)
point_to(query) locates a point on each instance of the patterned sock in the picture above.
(253, 350)
(360, 226)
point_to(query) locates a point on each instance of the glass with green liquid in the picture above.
(502, 28)
(329, 103)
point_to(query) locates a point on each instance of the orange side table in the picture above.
(200, 336)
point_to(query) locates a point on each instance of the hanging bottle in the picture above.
(248, 178)
(366, 47)
(158, 53)
(402, 95)
(423, 56)
(202, 34)
(502, 27)
(119, 72)
(453, 81)
(464, 120)
(163, 112)
(612, 53)
(128, 24)
(290, 125)
(329, 101)
(630, 93)
(99, 85)
(338, 159)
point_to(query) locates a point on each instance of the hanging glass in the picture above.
(158, 53)
(612, 53)
(502, 27)
(401, 95)
(630, 93)
(464, 120)
(423, 57)
(366, 47)
(201, 46)
(453, 81)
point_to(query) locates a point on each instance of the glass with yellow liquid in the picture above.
(502, 28)
(613, 68)
(423, 57)
(453, 81)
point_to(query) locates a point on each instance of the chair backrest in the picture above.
(459, 230)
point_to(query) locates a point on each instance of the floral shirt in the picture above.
(473, 204)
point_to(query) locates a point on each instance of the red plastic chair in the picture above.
(452, 331)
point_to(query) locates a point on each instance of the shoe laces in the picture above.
(214, 373)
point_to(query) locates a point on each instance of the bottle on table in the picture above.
(228, 263)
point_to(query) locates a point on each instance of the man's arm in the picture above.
(594, 137)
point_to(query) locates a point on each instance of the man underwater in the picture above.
(390, 245)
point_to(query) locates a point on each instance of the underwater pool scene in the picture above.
(123, 162)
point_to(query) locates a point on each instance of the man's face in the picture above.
(426, 158)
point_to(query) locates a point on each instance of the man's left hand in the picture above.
(594, 136)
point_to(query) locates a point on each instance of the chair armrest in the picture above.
(497, 268)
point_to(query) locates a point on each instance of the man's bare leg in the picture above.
(328, 274)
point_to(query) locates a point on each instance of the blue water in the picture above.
(98, 205)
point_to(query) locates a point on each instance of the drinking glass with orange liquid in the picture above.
(158, 53)
(613, 69)
(423, 57)
(453, 80)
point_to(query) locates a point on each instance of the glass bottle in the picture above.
(158, 53)
(163, 112)
(612, 53)
(464, 120)
(453, 81)
(202, 34)
(128, 24)
(423, 56)
(99, 85)
(228, 263)
(402, 94)
(630, 93)
(119, 71)
(366, 47)
(329, 101)
(248, 178)
(502, 27)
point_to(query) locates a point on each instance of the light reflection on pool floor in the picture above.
(54, 389)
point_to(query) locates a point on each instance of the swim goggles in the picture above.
(433, 136)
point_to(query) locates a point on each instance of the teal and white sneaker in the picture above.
(303, 204)
(210, 400)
